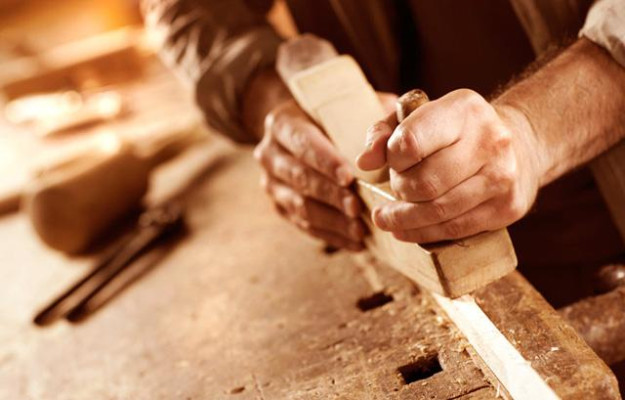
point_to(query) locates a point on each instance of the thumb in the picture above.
(374, 155)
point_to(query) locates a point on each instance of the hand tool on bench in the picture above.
(76, 302)
(74, 202)
(334, 92)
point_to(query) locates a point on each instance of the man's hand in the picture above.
(307, 178)
(459, 165)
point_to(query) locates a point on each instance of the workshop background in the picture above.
(199, 290)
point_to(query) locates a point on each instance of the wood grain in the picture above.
(552, 347)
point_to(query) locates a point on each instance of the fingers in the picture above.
(471, 223)
(402, 215)
(305, 141)
(425, 131)
(316, 218)
(308, 182)
(438, 173)
(374, 155)
(508, 204)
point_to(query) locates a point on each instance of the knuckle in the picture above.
(300, 208)
(440, 210)
(503, 138)
(299, 177)
(515, 208)
(299, 142)
(270, 121)
(260, 150)
(326, 190)
(453, 229)
(392, 219)
(508, 174)
(387, 218)
(375, 129)
(416, 188)
(497, 140)
(501, 179)
(406, 142)
(404, 188)
(275, 119)
(428, 188)
(471, 98)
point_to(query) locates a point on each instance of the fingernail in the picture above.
(378, 218)
(351, 206)
(343, 175)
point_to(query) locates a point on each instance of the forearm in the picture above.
(573, 106)
(216, 47)
(262, 94)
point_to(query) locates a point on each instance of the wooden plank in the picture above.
(503, 359)
(335, 93)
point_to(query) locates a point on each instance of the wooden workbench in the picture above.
(243, 307)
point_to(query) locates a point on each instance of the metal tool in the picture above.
(76, 302)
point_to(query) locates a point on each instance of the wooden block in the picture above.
(338, 97)
(335, 93)
(451, 269)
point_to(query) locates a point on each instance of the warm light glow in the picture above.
(43, 106)
(108, 142)
(108, 104)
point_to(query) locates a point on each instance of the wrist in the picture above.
(264, 92)
(531, 151)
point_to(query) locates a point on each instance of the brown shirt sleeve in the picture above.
(214, 46)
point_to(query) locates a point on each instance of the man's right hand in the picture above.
(308, 180)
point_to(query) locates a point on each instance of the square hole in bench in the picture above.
(421, 369)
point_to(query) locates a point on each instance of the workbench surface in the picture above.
(244, 306)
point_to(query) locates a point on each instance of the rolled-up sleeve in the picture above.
(605, 26)
(214, 46)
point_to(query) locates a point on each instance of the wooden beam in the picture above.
(511, 310)
(335, 93)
